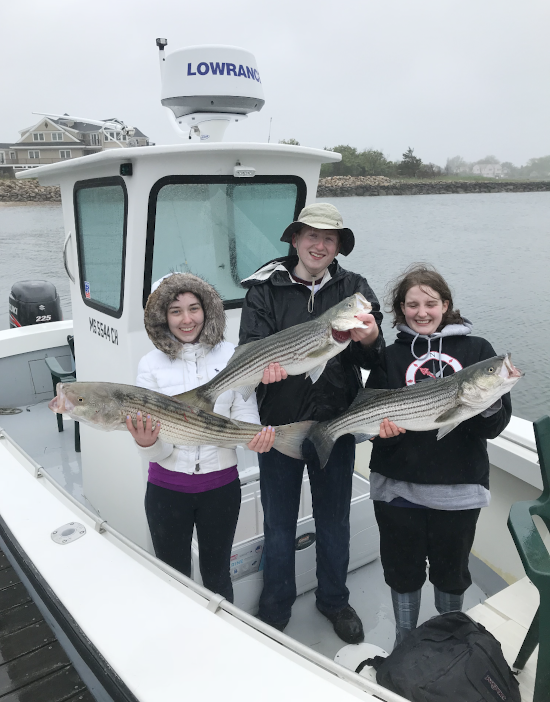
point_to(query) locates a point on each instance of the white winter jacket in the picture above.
(197, 364)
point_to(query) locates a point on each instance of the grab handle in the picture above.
(65, 262)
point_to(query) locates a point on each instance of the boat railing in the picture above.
(214, 602)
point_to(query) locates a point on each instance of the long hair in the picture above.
(425, 276)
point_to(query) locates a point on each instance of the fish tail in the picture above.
(290, 437)
(199, 397)
(323, 441)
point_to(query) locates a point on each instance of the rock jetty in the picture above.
(28, 191)
(368, 186)
(337, 186)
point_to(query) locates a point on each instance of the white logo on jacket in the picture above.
(417, 367)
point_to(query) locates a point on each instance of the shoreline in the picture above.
(347, 186)
(29, 192)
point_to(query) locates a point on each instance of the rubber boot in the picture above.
(445, 602)
(406, 607)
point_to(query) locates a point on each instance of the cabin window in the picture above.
(57, 136)
(101, 211)
(220, 228)
(38, 136)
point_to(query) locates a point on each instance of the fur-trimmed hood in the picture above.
(166, 292)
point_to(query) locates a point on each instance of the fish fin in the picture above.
(323, 442)
(360, 437)
(315, 373)
(195, 400)
(239, 350)
(246, 391)
(452, 413)
(443, 431)
(290, 437)
(366, 394)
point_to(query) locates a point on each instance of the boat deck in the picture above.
(508, 616)
(33, 665)
(506, 612)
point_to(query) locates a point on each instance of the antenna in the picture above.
(113, 125)
(269, 135)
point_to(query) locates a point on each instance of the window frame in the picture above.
(36, 136)
(57, 135)
(65, 151)
(95, 183)
(33, 151)
(301, 195)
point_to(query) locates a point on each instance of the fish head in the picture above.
(89, 403)
(483, 383)
(343, 316)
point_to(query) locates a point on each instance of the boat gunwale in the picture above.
(215, 603)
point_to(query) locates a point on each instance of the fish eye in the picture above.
(81, 399)
(490, 370)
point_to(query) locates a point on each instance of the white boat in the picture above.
(73, 525)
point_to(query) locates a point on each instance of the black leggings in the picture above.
(409, 537)
(172, 515)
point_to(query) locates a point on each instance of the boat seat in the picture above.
(536, 561)
(59, 375)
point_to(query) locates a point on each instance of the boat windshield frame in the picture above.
(301, 194)
(98, 183)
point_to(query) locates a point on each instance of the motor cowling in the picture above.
(34, 302)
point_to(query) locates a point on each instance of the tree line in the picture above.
(372, 162)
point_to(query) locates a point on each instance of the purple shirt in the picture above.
(194, 482)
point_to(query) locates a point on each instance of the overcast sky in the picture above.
(446, 77)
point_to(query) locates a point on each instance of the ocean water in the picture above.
(494, 250)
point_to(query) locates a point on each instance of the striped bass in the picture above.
(106, 405)
(434, 404)
(304, 348)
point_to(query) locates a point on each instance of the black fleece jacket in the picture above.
(418, 457)
(278, 303)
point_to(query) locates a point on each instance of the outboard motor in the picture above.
(34, 302)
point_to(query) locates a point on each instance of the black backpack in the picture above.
(450, 657)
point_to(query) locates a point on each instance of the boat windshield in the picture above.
(220, 228)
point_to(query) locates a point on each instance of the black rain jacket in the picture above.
(278, 303)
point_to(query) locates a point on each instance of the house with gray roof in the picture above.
(52, 140)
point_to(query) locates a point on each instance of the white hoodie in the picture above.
(197, 364)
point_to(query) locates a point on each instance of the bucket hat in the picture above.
(322, 215)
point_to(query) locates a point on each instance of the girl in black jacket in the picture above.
(427, 493)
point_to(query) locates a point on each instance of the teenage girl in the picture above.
(427, 493)
(191, 487)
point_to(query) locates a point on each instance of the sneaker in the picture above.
(346, 623)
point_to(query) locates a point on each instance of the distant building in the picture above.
(489, 170)
(54, 140)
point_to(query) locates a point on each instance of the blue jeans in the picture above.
(281, 483)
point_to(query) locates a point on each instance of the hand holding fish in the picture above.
(368, 334)
(274, 373)
(263, 441)
(389, 429)
(144, 435)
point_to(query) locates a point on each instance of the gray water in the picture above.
(494, 251)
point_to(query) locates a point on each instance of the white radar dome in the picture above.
(209, 83)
